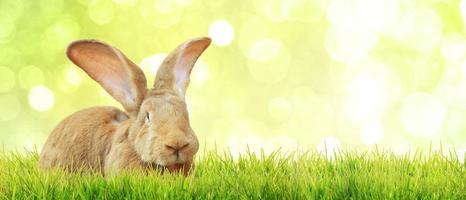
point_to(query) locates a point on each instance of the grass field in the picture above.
(371, 175)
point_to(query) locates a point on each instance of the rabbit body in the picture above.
(154, 129)
(85, 140)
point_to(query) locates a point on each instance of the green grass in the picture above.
(371, 175)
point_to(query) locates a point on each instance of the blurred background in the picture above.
(313, 74)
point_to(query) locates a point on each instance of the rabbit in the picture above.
(153, 131)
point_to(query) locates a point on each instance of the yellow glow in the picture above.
(363, 15)
(400, 146)
(151, 64)
(51, 8)
(101, 11)
(312, 113)
(9, 107)
(462, 154)
(251, 31)
(355, 26)
(7, 78)
(413, 26)
(368, 95)
(72, 76)
(199, 74)
(70, 79)
(453, 47)
(84, 2)
(372, 132)
(463, 10)
(349, 46)
(11, 9)
(232, 108)
(367, 98)
(283, 143)
(422, 114)
(126, 2)
(30, 76)
(196, 103)
(280, 10)
(28, 136)
(389, 73)
(7, 27)
(264, 49)
(280, 108)
(463, 68)
(160, 13)
(244, 138)
(328, 146)
(269, 61)
(184, 2)
(58, 35)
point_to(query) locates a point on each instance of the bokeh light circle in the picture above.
(9, 107)
(312, 113)
(58, 35)
(349, 46)
(280, 10)
(370, 92)
(232, 108)
(318, 64)
(251, 31)
(463, 10)
(269, 61)
(356, 25)
(72, 76)
(161, 13)
(462, 154)
(463, 68)
(7, 79)
(41, 98)
(280, 108)
(150, 65)
(101, 11)
(221, 32)
(400, 146)
(453, 47)
(372, 132)
(200, 73)
(363, 15)
(126, 2)
(184, 2)
(282, 143)
(413, 26)
(51, 8)
(329, 146)
(11, 9)
(7, 28)
(264, 49)
(240, 145)
(422, 114)
(30, 76)
(244, 137)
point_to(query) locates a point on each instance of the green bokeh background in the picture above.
(280, 73)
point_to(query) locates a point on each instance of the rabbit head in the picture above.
(159, 126)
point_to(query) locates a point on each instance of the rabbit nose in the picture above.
(177, 147)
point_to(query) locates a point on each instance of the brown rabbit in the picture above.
(153, 132)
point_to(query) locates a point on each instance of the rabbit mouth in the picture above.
(155, 166)
(171, 168)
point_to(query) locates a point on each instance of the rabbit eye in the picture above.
(147, 117)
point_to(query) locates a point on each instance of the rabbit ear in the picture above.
(173, 73)
(112, 70)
